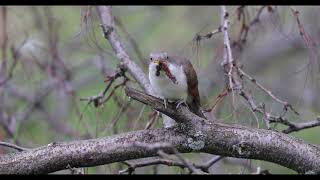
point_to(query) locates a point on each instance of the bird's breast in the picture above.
(165, 87)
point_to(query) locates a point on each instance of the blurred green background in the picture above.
(52, 38)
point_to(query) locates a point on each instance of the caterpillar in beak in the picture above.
(163, 66)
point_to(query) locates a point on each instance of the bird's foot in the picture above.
(179, 102)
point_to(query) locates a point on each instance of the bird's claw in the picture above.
(179, 102)
(165, 103)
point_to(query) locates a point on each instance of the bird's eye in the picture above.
(151, 59)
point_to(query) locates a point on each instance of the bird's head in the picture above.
(159, 61)
(158, 57)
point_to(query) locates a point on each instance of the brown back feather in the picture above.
(193, 99)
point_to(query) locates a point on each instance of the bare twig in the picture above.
(199, 37)
(15, 55)
(205, 167)
(122, 84)
(13, 146)
(254, 81)
(167, 162)
(97, 100)
(132, 42)
(153, 116)
(246, 27)
(111, 35)
(161, 147)
(74, 170)
(310, 44)
(292, 127)
(278, 119)
(4, 41)
(217, 100)
(227, 56)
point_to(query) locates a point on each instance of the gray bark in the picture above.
(192, 134)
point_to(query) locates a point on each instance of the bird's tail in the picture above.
(196, 109)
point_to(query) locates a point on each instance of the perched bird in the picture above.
(173, 78)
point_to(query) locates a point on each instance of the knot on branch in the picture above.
(240, 148)
(106, 29)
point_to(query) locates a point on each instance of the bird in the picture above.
(174, 79)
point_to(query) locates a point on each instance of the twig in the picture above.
(161, 147)
(227, 56)
(265, 119)
(131, 41)
(278, 119)
(292, 127)
(254, 81)
(310, 44)
(15, 55)
(152, 119)
(199, 37)
(167, 162)
(4, 41)
(205, 167)
(245, 28)
(74, 170)
(123, 109)
(13, 146)
(114, 89)
(110, 34)
(218, 99)
(120, 72)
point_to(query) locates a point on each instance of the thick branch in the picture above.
(85, 153)
(220, 139)
(243, 142)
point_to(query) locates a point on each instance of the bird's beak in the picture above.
(157, 62)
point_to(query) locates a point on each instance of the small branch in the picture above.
(199, 37)
(15, 55)
(256, 19)
(166, 162)
(205, 167)
(97, 100)
(310, 44)
(292, 127)
(74, 170)
(245, 28)
(269, 118)
(185, 116)
(152, 119)
(284, 103)
(4, 40)
(171, 149)
(13, 146)
(110, 34)
(217, 100)
(132, 41)
(227, 56)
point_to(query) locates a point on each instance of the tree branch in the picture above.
(13, 146)
(192, 134)
(292, 127)
(113, 38)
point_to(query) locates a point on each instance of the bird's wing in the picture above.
(193, 99)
